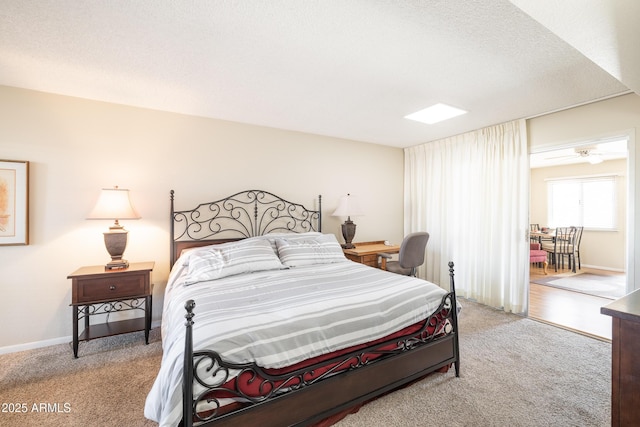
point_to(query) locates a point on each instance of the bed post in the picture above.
(187, 378)
(454, 319)
(171, 233)
(320, 212)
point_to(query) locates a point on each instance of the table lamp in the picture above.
(114, 203)
(348, 206)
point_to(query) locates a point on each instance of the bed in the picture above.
(266, 323)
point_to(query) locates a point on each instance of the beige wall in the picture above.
(606, 118)
(618, 116)
(599, 249)
(78, 146)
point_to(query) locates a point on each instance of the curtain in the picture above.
(470, 192)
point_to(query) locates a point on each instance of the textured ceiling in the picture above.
(605, 31)
(344, 68)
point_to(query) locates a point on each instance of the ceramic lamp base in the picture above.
(116, 242)
(348, 233)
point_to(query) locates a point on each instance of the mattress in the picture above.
(278, 301)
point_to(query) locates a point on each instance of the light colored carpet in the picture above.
(106, 386)
(514, 372)
(606, 286)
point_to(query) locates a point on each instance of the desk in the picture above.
(625, 372)
(367, 252)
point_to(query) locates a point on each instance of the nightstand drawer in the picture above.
(110, 288)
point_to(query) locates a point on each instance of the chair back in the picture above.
(565, 241)
(412, 250)
(578, 237)
(534, 227)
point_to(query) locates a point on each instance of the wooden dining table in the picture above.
(540, 235)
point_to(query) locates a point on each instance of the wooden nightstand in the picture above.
(99, 291)
(367, 252)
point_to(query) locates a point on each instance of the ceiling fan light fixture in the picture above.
(594, 159)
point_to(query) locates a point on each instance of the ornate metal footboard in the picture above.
(309, 394)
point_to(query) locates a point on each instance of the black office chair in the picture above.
(411, 255)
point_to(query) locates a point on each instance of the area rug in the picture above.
(611, 287)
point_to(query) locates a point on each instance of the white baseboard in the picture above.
(35, 344)
(50, 342)
(597, 267)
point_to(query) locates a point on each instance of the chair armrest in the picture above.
(383, 259)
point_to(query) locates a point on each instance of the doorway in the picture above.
(605, 250)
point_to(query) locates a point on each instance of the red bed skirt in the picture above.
(253, 386)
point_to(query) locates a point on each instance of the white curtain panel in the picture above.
(471, 193)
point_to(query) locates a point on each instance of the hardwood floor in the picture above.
(572, 310)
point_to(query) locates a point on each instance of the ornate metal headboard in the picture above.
(241, 215)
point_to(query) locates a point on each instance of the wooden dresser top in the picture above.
(627, 307)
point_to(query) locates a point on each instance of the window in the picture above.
(589, 202)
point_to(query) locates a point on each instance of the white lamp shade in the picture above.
(113, 203)
(348, 206)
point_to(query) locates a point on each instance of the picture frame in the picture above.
(14, 202)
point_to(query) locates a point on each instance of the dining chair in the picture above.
(534, 228)
(579, 231)
(563, 244)
(537, 255)
(411, 255)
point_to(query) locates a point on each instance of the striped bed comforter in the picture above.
(277, 318)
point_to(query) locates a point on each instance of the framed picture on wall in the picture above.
(14, 202)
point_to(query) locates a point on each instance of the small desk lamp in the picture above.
(114, 203)
(348, 206)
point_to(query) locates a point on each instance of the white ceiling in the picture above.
(344, 68)
(605, 31)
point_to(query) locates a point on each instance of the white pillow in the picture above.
(322, 249)
(228, 259)
(272, 237)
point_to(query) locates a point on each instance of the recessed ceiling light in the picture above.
(434, 114)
